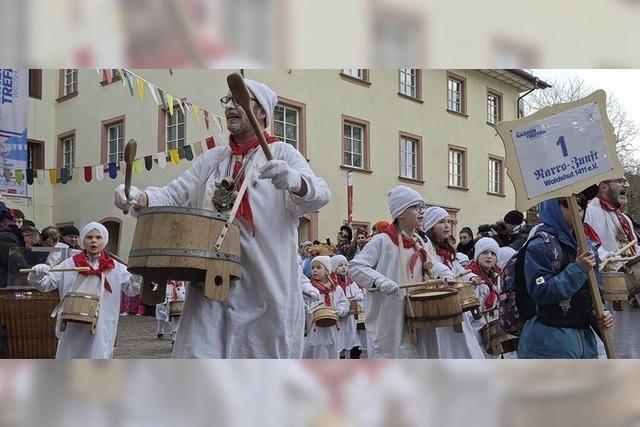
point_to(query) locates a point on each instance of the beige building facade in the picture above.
(429, 129)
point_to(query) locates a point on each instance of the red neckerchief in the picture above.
(392, 232)
(477, 269)
(342, 281)
(447, 256)
(592, 234)
(324, 290)
(240, 151)
(610, 207)
(105, 262)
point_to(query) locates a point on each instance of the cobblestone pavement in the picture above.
(137, 339)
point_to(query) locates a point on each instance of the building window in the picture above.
(409, 81)
(494, 107)
(35, 154)
(410, 156)
(68, 149)
(174, 129)
(115, 76)
(495, 176)
(112, 140)
(286, 124)
(457, 167)
(35, 83)
(356, 75)
(456, 93)
(70, 84)
(355, 144)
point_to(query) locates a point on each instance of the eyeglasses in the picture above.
(229, 102)
(420, 207)
(621, 181)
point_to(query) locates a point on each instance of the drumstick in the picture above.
(463, 273)
(242, 96)
(412, 285)
(129, 156)
(30, 270)
(618, 252)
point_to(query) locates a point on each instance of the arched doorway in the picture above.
(113, 227)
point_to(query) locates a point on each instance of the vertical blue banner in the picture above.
(14, 107)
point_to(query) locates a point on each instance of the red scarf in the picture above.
(324, 290)
(592, 234)
(105, 262)
(392, 232)
(240, 151)
(610, 207)
(342, 281)
(491, 299)
(447, 256)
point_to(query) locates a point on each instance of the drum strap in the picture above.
(413, 333)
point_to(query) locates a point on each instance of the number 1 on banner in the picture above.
(563, 146)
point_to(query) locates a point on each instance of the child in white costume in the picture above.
(452, 345)
(77, 341)
(324, 343)
(348, 333)
(174, 292)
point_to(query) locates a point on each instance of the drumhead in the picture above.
(439, 293)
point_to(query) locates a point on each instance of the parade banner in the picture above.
(14, 98)
(560, 150)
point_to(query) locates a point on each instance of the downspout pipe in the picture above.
(535, 86)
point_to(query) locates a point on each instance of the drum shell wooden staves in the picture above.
(615, 286)
(78, 307)
(178, 243)
(175, 308)
(434, 308)
(325, 317)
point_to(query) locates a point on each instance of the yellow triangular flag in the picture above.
(52, 176)
(175, 157)
(140, 85)
(170, 103)
(137, 165)
(196, 112)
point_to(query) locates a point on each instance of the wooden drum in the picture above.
(496, 341)
(25, 314)
(353, 306)
(615, 286)
(434, 308)
(175, 308)
(78, 307)
(177, 243)
(325, 317)
(468, 299)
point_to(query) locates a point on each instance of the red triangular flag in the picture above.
(210, 143)
(87, 173)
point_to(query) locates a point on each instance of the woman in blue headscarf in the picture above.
(556, 278)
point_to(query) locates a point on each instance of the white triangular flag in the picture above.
(162, 159)
(41, 177)
(154, 92)
(100, 172)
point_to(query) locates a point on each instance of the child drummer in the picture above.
(324, 343)
(349, 340)
(77, 341)
(174, 292)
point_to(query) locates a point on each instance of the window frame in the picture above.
(366, 166)
(104, 137)
(35, 83)
(302, 121)
(499, 97)
(163, 115)
(62, 95)
(417, 139)
(364, 81)
(463, 151)
(62, 138)
(418, 85)
(35, 153)
(500, 161)
(463, 101)
(115, 77)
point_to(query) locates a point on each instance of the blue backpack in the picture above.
(516, 306)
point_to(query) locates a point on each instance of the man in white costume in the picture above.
(77, 342)
(604, 214)
(263, 316)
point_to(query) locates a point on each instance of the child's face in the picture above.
(93, 242)
(487, 259)
(342, 269)
(442, 230)
(412, 217)
(318, 271)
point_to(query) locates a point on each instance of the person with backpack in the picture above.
(561, 323)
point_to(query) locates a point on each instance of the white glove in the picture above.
(388, 287)
(41, 269)
(313, 294)
(121, 202)
(283, 176)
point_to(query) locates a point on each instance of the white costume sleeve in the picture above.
(318, 193)
(307, 287)
(46, 283)
(182, 190)
(130, 282)
(441, 271)
(362, 266)
(357, 292)
(340, 302)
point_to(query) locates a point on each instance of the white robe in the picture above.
(76, 341)
(387, 334)
(626, 332)
(324, 343)
(263, 316)
(348, 334)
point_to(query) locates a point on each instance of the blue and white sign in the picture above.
(562, 149)
(14, 105)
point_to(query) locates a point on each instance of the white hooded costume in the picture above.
(626, 335)
(451, 344)
(77, 342)
(324, 343)
(263, 315)
(348, 329)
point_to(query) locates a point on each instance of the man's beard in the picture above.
(614, 197)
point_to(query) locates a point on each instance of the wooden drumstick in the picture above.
(412, 285)
(129, 156)
(242, 96)
(30, 270)
(618, 252)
